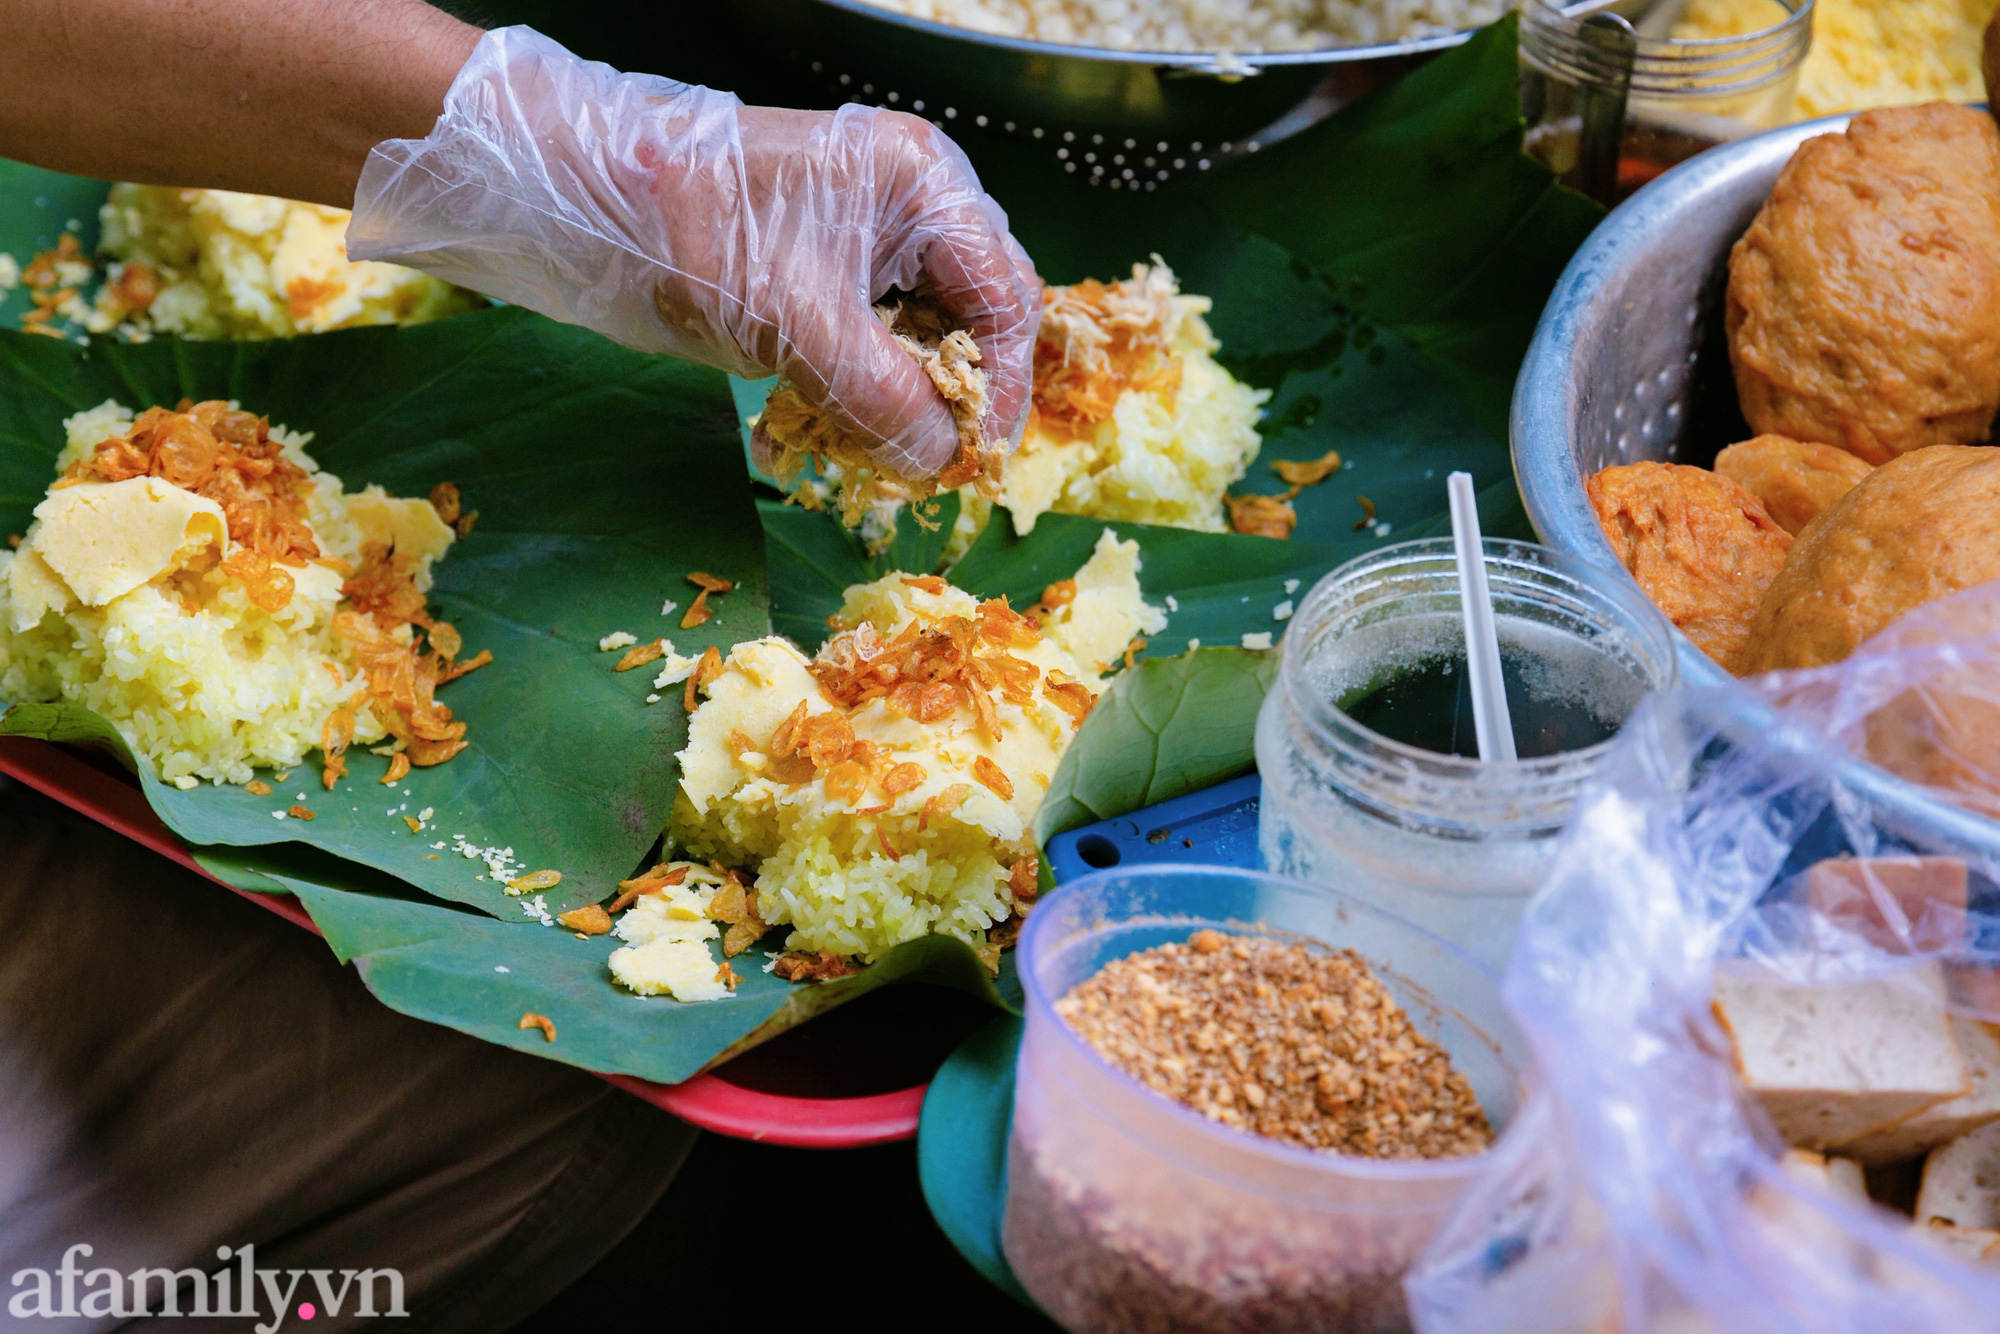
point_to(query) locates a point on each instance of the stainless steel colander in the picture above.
(1141, 117)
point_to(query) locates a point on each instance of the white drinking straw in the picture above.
(1482, 642)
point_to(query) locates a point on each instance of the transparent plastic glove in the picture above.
(674, 219)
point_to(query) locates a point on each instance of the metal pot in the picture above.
(1630, 362)
(1177, 112)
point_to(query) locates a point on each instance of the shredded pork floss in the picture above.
(801, 433)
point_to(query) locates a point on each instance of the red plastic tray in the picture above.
(709, 1100)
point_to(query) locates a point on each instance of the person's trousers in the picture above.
(182, 1072)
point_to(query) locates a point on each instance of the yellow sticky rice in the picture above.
(1166, 455)
(666, 935)
(202, 682)
(820, 861)
(1866, 53)
(251, 266)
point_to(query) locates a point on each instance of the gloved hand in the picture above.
(674, 219)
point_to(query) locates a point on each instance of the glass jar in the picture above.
(1613, 98)
(1452, 843)
(1126, 1211)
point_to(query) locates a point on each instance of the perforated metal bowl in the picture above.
(1630, 362)
(1159, 114)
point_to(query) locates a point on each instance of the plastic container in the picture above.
(1453, 844)
(1128, 1211)
(1613, 99)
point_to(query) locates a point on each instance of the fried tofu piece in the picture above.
(1835, 1176)
(1832, 1064)
(1915, 529)
(1800, 1224)
(1864, 301)
(1962, 1182)
(1701, 547)
(1942, 1122)
(1795, 479)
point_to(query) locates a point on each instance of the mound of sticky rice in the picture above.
(194, 577)
(884, 789)
(1133, 418)
(218, 264)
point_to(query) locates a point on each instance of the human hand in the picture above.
(673, 219)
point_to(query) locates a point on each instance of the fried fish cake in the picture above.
(1795, 479)
(1864, 301)
(1989, 57)
(1943, 730)
(1700, 546)
(1916, 528)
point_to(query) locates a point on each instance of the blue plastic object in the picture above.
(1216, 826)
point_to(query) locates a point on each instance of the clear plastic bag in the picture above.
(1640, 1188)
(672, 218)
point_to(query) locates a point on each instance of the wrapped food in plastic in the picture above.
(1759, 972)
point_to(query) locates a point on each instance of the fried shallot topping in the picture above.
(1307, 472)
(50, 278)
(42, 270)
(652, 882)
(735, 903)
(641, 654)
(926, 672)
(229, 457)
(993, 776)
(706, 669)
(800, 966)
(380, 620)
(1098, 340)
(1263, 516)
(942, 803)
(135, 288)
(450, 507)
(699, 611)
(1058, 594)
(589, 920)
(797, 432)
(445, 500)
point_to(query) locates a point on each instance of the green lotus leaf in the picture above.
(581, 458)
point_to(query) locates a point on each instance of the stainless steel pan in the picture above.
(1157, 114)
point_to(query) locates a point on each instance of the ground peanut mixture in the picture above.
(1279, 1038)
